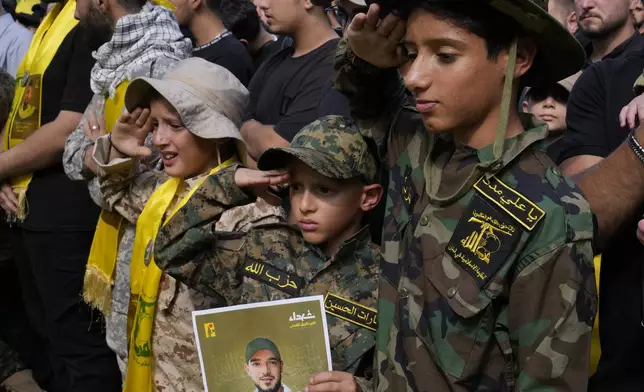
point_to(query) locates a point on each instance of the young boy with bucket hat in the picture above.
(488, 279)
(193, 114)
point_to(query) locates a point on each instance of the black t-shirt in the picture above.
(286, 91)
(634, 44)
(333, 102)
(265, 52)
(231, 54)
(593, 129)
(56, 203)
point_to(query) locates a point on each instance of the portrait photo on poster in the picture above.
(267, 346)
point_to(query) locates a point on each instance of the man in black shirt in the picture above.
(52, 242)
(213, 42)
(286, 91)
(251, 32)
(607, 23)
(594, 133)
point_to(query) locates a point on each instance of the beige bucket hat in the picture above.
(209, 99)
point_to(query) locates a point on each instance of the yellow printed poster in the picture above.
(269, 346)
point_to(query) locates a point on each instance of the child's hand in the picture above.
(130, 131)
(332, 382)
(260, 182)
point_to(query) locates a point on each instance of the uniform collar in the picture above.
(357, 241)
(534, 132)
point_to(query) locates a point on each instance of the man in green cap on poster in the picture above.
(264, 366)
(488, 281)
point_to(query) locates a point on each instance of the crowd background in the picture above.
(51, 338)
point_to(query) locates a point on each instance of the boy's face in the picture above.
(455, 84)
(184, 155)
(325, 209)
(550, 110)
(282, 16)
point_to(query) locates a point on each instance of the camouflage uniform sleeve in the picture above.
(124, 190)
(77, 145)
(190, 230)
(550, 337)
(375, 94)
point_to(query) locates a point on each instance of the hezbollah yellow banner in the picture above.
(145, 280)
(24, 118)
(99, 274)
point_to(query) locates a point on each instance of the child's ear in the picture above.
(526, 108)
(371, 195)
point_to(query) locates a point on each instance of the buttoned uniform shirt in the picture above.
(461, 308)
(14, 43)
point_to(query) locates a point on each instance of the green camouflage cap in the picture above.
(259, 344)
(560, 54)
(332, 146)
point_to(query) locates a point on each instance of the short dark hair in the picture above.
(247, 27)
(132, 5)
(496, 29)
(7, 89)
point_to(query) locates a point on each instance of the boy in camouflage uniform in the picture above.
(488, 280)
(332, 185)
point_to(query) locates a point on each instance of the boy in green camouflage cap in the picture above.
(326, 251)
(488, 280)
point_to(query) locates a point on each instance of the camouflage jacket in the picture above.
(126, 191)
(492, 292)
(235, 266)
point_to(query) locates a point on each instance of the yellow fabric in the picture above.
(101, 263)
(165, 3)
(24, 118)
(26, 6)
(145, 280)
(595, 347)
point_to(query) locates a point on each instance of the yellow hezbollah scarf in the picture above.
(101, 263)
(145, 280)
(25, 115)
(99, 274)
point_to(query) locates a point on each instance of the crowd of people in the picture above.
(472, 171)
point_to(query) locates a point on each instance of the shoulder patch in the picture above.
(512, 202)
(274, 277)
(351, 311)
(483, 239)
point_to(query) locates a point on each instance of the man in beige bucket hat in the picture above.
(193, 114)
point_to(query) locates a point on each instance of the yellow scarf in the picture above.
(99, 274)
(145, 280)
(24, 118)
(595, 346)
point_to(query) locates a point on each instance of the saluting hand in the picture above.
(260, 183)
(332, 382)
(377, 41)
(130, 131)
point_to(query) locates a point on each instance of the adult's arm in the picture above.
(613, 183)
(40, 150)
(44, 148)
(259, 137)
(77, 155)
